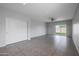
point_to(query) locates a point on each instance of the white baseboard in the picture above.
(37, 36)
(2, 45)
(76, 47)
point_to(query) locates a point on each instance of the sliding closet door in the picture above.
(16, 30)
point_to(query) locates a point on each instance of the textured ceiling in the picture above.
(44, 11)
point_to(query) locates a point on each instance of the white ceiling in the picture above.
(44, 11)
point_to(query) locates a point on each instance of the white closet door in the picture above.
(16, 30)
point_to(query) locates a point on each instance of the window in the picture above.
(61, 29)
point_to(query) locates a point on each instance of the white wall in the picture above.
(76, 29)
(37, 28)
(15, 27)
(50, 28)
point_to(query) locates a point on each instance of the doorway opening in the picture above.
(61, 29)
